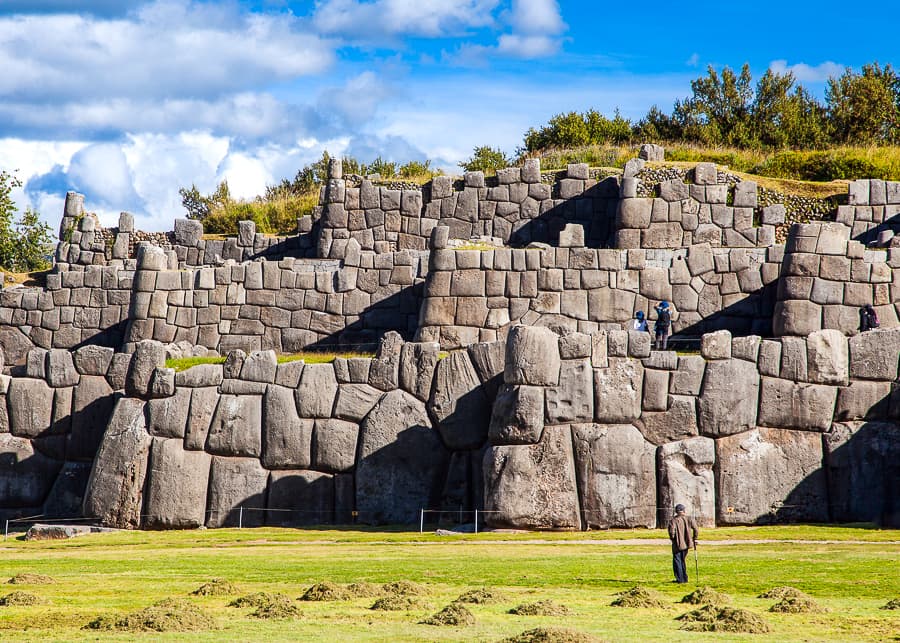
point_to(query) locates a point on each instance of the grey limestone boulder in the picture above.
(92, 405)
(354, 401)
(417, 364)
(30, 404)
(573, 399)
(300, 498)
(235, 483)
(863, 400)
(26, 475)
(236, 426)
(533, 486)
(489, 359)
(401, 461)
(260, 366)
(685, 476)
(618, 391)
(286, 439)
(177, 486)
(334, 445)
(188, 232)
(167, 417)
(863, 462)
(716, 345)
(93, 360)
(875, 355)
(202, 407)
(66, 496)
(147, 357)
(116, 485)
(797, 317)
(384, 372)
(60, 369)
(317, 390)
(616, 472)
(198, 376)
(677, 422)
(532, 356)
(458, 403)
(518, 415)
(687, 379)
(789, 463)
(795, 405)
(728, 398)
(827, 357)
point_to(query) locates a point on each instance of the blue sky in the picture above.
(129, 100)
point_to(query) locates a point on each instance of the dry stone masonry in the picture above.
(506, 379)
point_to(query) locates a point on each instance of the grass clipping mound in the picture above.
(404, 588)
(168, 615)
(454, 615)
(325, 591)
(638, 596)
(551, 635)
(540, 608)
(216, 587)
(363, 589)
(797, 605)
(395, 603)
(783, 592)
(31, 579)
(706, 596)
(257, 599)
(22, 598)
(483, 596)
(723, 619)
(280, 607)
(893, 604)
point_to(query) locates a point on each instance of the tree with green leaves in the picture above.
(718, 112)
(25, 244)
(486, 159)
(864, 108)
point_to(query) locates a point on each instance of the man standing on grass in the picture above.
(683, 533)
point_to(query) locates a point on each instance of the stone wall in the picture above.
(873, 213)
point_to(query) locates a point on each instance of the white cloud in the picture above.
(539, 17)
(357, 100)
(527, 47)
(372, 21)
(693, 61)
(102, 170)
(808, 73)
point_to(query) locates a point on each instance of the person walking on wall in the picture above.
(683, 533)
(663, 325)
(640, 322)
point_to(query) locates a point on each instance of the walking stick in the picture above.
(696, 565)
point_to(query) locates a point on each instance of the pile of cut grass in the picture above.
(482, 596)
(797, 605)
(710, 618)
(396, 603)
(279, 608)
(363, 589)
(540, 608)
(31, 579)
(257, 600)
(551, 635)
(216, 587)
(783, 591)
(638, 596)
(22, 598)
(453, 615)
(325, 591)
(405, 588)
(167, 615)
(706, 596)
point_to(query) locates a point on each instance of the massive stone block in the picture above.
(417, 364)
(334, 445)
(116, 486)
(147, 357)
(458, 403)
(770, 476)
(828, 360)
(874, 355)
(615, 468)
(30, 404)
(685, 476)
(26, 475)
(176, 490)
(401, 461)
(533, 487)
(316, 392)
(532, 356)
(618, 390)
(66, 497)
(728, 398)
(677, 422)
(863, 462)
(236, 483)
(92, 406)
(354, 401)
(518, 415)
(794, 405)
(167, 417)
(286, 439)
(573, 399)
(300, 498)
(863, 400)
(204, 401)
(236, 427)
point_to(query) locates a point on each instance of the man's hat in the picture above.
(679, 508)
(640, 314)
(664, 304)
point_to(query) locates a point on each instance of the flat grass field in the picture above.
(851, 572)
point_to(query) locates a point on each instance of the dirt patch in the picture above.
(404, 588)
(280, 607)
(31, 579)
(638, 596)
(783, 592)
(482, 596)
(325, 591)
(168, 615)
(22, 598)
(216, 587)
(453, 615)
(893, 604)
(364, 590)
(797, 605)
(395, 603)
(541, 608)
(258, 599)
(551, 635)
(706, 596)
(723, 619)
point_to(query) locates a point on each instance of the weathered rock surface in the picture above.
(26, 476)
(92, 405)
(167, 417)
(300, 498)
(618, 391)
(286, 439)
(417, 364)
(458, 403)
(316, 392)
(204, 401)
(236, 427)
(728, 399)
(177, 486)
(532, 356)
(677, 422)
(334, 445)
(30, 403)
(236, 483)
(573, 399)
(791, 405)
(533, 487)
(616, 472)
(147, 357)
(518, 415)
(685, 476)
(875, 355)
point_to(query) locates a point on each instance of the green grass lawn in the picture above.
(112, 574)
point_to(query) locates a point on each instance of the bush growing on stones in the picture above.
(486, 159)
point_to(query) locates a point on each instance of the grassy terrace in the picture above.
(852, 572)
(310, 357)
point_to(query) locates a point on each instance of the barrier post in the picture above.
(241, 517)
(6, 531)
(421, 520)
(476, 521)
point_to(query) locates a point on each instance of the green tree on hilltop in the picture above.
(24, 243)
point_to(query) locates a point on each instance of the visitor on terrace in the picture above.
(663, 325)
(640, 322)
